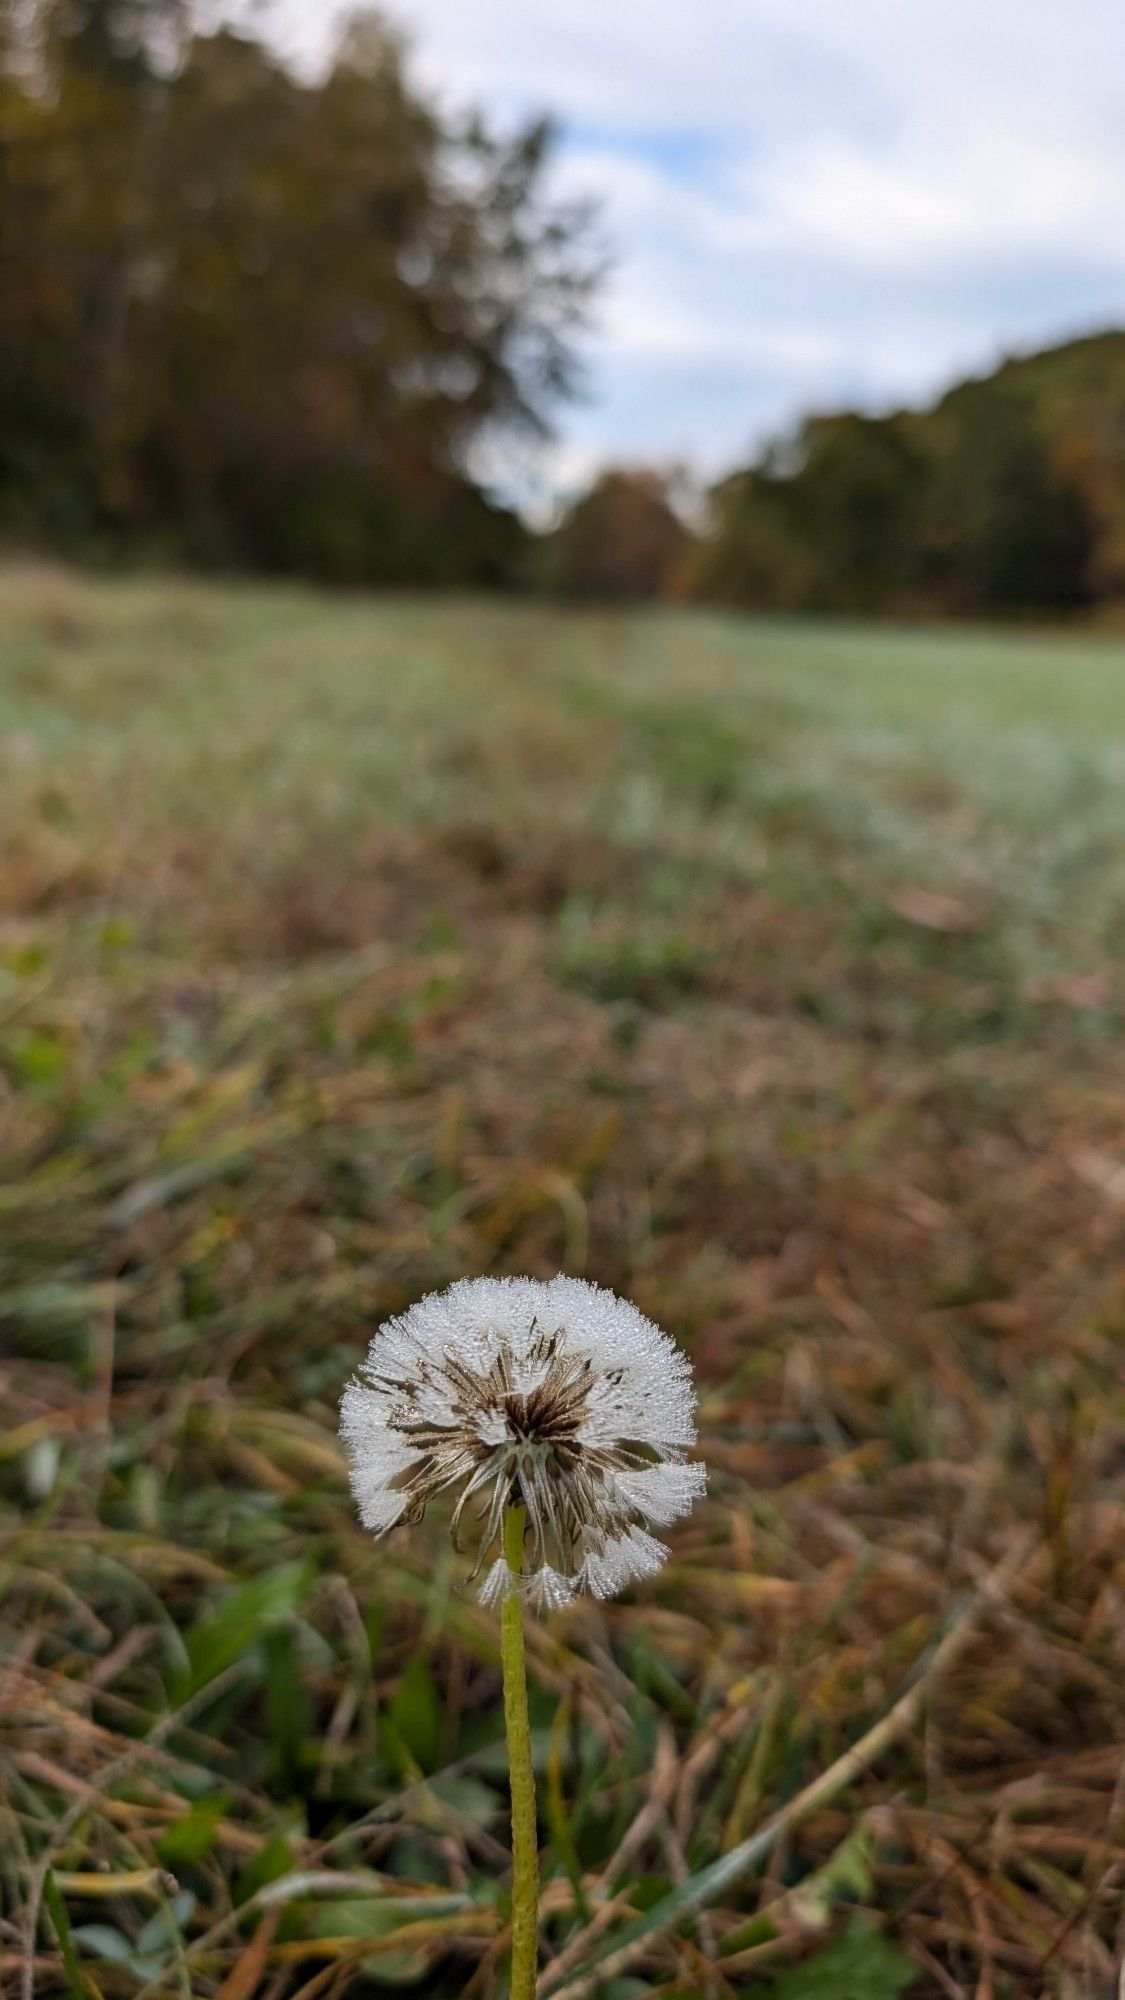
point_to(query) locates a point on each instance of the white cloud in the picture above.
(809, 201)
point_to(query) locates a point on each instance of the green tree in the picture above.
(1008, 495)
(825, 522)
(258, 319)
(1005, 529)
(119, 41)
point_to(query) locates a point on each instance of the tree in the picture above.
(1007, 495)
(125, 42)
(622, 539)
(259, 319)
(827, 521)
(1005, 529)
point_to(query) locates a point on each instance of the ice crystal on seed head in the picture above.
(559, 1397)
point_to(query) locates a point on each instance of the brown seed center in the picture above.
(543, 1417)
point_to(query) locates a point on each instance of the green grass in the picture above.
(768, 971)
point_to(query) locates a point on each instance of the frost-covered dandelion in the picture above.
(554, 1418)
(559, 1398)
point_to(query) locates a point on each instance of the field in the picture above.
(766, 971)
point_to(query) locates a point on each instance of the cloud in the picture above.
(810, 203)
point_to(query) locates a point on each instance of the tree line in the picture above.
(267, 321)
(1008, 495)
(259, 319)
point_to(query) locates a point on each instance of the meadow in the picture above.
(766, 970)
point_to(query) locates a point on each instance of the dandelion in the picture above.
(560, 1398)
(554, 1417)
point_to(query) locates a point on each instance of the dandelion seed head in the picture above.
(557, 1396)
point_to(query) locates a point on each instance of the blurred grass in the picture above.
(767, 971)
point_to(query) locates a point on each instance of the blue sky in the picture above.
(809, 202)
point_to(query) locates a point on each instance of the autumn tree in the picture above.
(622, 539)
(1005, 528)
(259, 319)
(1008, 495)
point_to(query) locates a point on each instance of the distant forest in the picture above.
(255, 321)
(1008, 494)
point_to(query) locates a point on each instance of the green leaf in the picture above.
(25, 960)
(243, 1617)
(468, 1798)
(286, 1708)
(117, 933)
(56, 1910)
(860, 1965)
(682, 1901)
(274, 1859)
(644, 1892)
(414, 1717)
(102, 1941)
(39, 1058)
(164, 1927)
(106, 1942)
(845, 1876)
(558, 1811)
(191, 1838)
(379, 1916)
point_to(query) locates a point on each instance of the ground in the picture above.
(767, 971)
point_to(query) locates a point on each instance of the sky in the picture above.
(810, 203)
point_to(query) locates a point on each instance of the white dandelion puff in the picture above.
(558, 1397)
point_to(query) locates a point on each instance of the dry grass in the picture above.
(767, 973)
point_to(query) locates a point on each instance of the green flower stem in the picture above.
(525, 1847)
